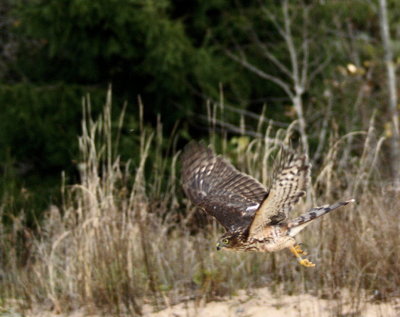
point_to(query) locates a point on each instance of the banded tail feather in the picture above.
(299, 223)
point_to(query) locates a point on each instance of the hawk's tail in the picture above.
(299, 223)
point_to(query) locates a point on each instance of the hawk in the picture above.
(255, 218)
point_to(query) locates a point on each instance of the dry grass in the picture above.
(121, 239)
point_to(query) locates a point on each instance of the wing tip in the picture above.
(193, 150)
(192, 145)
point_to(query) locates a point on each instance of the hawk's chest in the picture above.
(270, 239)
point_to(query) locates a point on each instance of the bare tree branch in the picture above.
(261, 74)
(300, 71)
(320, 67)
(290, 45)
(272, 18)
(256, 116)
(298, 85)
(305, 49)
(270, 56)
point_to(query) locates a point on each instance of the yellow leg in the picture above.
(296, 250)
(299, 250)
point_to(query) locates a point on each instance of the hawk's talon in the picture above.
(306, 263)
(296, 250)
(299, 250)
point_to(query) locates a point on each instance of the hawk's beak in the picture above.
(218, 246)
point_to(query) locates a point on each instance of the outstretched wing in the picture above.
(289, 184)
(215, 185)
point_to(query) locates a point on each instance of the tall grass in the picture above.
(123, 237)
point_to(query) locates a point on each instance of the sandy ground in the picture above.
(257, 303)
(261, 303)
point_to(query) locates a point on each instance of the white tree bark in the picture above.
(297, 74)
(392, 86)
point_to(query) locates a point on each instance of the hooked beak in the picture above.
(218, 246)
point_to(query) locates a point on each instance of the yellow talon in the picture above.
(299, 250)
(296, 250)
(306, 263)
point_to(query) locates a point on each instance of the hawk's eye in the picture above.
(225, 241)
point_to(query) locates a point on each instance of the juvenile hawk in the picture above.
(256, 219)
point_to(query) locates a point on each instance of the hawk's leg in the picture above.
(296, 250)
(299, 250)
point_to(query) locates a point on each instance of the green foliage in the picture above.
(134, 44)
(41, 124)
(38, 139)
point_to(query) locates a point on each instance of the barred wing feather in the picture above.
(213, 184)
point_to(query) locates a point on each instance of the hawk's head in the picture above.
(230, 240)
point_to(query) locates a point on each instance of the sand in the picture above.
(255, 303)
(261, 303)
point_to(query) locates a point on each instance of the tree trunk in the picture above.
(391, 77)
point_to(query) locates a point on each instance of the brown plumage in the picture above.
(256, 219)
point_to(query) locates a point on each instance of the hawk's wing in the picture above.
(289, 184)
(215, 185)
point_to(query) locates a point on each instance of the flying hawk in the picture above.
(255, 218)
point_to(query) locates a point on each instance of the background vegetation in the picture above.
(97, 99)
